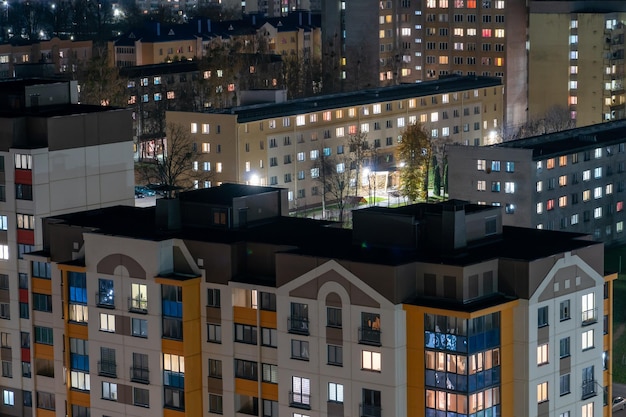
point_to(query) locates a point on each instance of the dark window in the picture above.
(335, 355)
(245, 334)
(333, 316)
(213, 297)
(42, 302)
(542, 316)
(23, 192)
(268, 301)
(564, 347)
(41, 270)
(246, 370)
(300, 349)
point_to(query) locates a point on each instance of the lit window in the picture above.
(587, 410)
(109, 391)
(206, 128)
(542, 392)
(597, 192)
(597, 172)
(371, 361)
(563, 201)
(218, 167)
(619, 206)
(107, 322)
(335, 392)
(598, 153)
(340, 132)
(587, 339)
(509, 187)
(550, 204)
(619, 227)
(597, 212)
(539, 186)
(574, 219)
(539, 208)
(609, 189)
(194, 128)
(550, 163)
(481, 185)
(586, 195)
(542, 354)
(8, 397)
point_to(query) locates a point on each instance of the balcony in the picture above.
(137, 305)
(107, 368)
(589, 388)
(298, 325)
(299, 400)
(369, 336)
(368, 410)
(139, 374)
(105, 299)
(589, 316)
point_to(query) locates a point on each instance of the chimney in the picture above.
(158, 29)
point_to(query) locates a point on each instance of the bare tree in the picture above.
(174, 169)
(415, 153)
(359, 150)
(334, 175)
(556, 119)
(100, 83)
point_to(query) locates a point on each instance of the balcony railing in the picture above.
(299, 400)
(106, 368)
(589, 388)
(369, 336)
(589, 316)
(137, 305)
(105, 299)
(368, 410)
(299, 325)
(141, 375)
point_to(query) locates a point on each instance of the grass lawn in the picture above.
(612, 263)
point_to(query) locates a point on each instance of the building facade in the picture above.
(569, 181)
(211, 304)
(584, 44)
(280, 144)
(424, 39)
(55, 158)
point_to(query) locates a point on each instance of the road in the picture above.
(619, 390)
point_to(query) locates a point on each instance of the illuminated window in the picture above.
(542, 354)
(371, 361)
(550, 163)
(486, 33)
(499, 33)
(542, 392)
(563, 201)
(539, 186)
(586, 195)
(587, 339)
(563, 180)
(194, 128)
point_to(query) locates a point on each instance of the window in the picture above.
(215, 404)
(25, 221)
(542, 316)
(335, 355)
(587, 410)
(564, 344)
(509, 187)
(587, 339)
(42, 302)
(299, 349)
(44, 335)
(246, 370)
(335, 392)
(270, 408)
(141, 397)
(564, 306)
(7, 369)
(23, 192)
(268, 301)
(23, 161)
(542, 354)
(215, 368)
(107, 365)
(481, 185)
(495, 186)
(586, 175)
(8, 397)
(139, 327)
(371, 361)
(41, 269)
(588, 308)
(299, 319)
(106, 293)
(510, 166)
(213, 298)
(333, 316)
(45, 400)
(542, 392)
(5, 311)
(245, 334)
(109, 391)
(270, 373)
(564, 384)
(78, 297)
(371, 403)
(214, 333)
(300, 392)
(269, 337)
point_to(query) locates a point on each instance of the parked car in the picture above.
(143, 191)
(619, 403)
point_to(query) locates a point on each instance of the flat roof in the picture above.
(450, 84)
(55, 110)
(572, 140)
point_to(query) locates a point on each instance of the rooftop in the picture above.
(375, 95)
(322, 238)
(571, 140)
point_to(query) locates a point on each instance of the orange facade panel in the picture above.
(42, 286)
(175, 347)
(269, 391)
(44, 351)
(78, 398)
(246, 387)
(168, 412)
(245, 315)
(78, 331)
(46, 413)
(268, 319)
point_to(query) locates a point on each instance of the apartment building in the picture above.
(280, 144)
(571, 181)
(297, 33)
(210, 304)
(576, 60)
(63, 54)
(422, 40)
(55, 157)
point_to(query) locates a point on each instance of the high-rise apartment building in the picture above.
(418, 40)
(55, 157)
(212, 305)
(576, 60)
(571, 180)
(280, 144)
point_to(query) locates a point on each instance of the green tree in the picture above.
(445, 176)
(436, 177)
(414, 153)
(101, 84)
